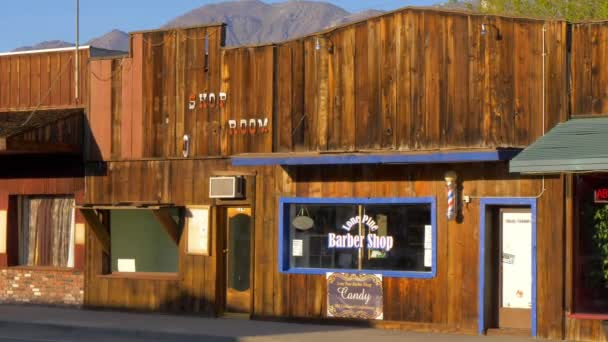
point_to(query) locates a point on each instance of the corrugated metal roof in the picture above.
(578, 145)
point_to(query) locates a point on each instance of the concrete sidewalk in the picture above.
(60, 324)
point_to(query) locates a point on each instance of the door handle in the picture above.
(225, 251)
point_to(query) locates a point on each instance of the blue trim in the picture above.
(284, 225)
(350, 159)
(531, 202)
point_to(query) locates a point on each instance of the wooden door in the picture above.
(238, 260)
(515, 278)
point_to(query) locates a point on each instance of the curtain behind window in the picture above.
(46, 231)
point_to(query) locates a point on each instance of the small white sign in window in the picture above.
(297, 248)
(126, 265)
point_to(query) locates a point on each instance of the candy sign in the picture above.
(357, 296)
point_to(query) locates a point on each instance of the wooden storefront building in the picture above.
(42, 125)
(377, 148)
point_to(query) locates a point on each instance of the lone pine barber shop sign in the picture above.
(357, 296)
(352, 239)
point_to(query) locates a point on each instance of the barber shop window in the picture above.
(140, 244)
(590, 269)
(45, 230)
(393, 237)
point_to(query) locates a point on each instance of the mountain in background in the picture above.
(254, 22)
(249, 22)
(49, 44)
(114, 40)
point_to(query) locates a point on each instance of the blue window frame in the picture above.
(378, 243)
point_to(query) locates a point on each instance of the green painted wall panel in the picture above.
(136, 234)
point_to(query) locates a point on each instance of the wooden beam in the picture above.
(97, 227)
(171, 227)
(23, 146)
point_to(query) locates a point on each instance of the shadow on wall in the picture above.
(95, 166)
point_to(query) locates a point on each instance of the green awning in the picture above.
(578, 145)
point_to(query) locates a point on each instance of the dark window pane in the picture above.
(239, 245)
(310, 248)
(591, 246)
(405, 227)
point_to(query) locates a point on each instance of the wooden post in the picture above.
(97, 227)
(163, 216)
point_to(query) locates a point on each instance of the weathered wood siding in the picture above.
(248, 80)
(140, 106)
(62, 133)
(421, 79)
(181, 182)
(410, 80)
(589, 74)
(44, 80)
(448, 302)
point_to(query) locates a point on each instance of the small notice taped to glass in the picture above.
(428, 258)
(428, 234)
(297, 248)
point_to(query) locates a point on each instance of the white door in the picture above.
(516, 268)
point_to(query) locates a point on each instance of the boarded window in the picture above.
(46, 231)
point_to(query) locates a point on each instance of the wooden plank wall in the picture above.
(178, 65)
(589, 71)
(183, 182)
(448, 302)
(30, 80)
(67, 131)
(420, 79)
(141, 105)
(248, 79)
(409, 80)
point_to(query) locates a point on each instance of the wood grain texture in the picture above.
(44, 80)
(589, 72)
(448, 301)
(412, 80)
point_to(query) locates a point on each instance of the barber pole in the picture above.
(450, 180)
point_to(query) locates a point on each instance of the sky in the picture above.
(27, 22)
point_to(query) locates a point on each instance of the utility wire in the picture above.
(48, 93)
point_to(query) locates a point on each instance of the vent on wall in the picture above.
(226, 187)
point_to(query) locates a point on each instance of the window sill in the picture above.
(389, 274)
(42, 269)
(589, 316)
(141, 276)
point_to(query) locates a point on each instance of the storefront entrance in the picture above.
(507, 277)
(238, 260)
(514, 267)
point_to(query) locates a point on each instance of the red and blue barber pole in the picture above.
(450, 180)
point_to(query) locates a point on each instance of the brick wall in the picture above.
(47, 287)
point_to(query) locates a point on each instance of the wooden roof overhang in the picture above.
(48, 131)
(347, 158)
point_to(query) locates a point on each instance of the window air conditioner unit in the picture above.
(227, 187)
